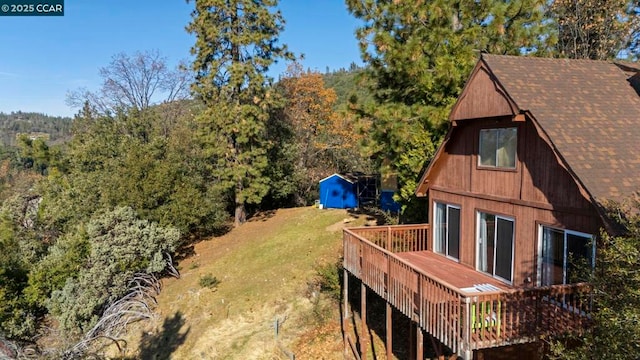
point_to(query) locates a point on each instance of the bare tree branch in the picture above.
(134, 82)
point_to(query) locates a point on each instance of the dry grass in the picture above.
(264, 268)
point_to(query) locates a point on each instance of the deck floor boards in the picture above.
(448, 270)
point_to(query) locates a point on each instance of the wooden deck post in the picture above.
(389, 331)
(345, 310)
(412, 348)
(465, 345)
(419, 343)
(363, 315)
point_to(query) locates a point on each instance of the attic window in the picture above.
(498, 148)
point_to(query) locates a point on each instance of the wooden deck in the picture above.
(448, 271)
(438, 293)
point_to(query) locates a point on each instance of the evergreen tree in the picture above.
(15, 319)
(21, 246)
(419, 55)
(236, 42)
(135, 160)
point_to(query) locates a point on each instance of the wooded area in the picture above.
(54, 129)
(114, 195)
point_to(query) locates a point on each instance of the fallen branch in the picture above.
(136, 305)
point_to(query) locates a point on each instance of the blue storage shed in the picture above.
(387, 203)
(338, 192)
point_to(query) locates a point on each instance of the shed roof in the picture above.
(588, 109)
(345, 177)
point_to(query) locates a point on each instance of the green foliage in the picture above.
(208, 281)
(64, 260)
(329, 279)
(284, 180)
(137, 160)
(22, 212)
(36, 155)
(53, 129)
(61, 260)
(615, 333)
(350, 86)
(16, 179)
(17, 318)
(419, 55)
(120, 246)
(325, 291)
(382, 217)
(236, 42)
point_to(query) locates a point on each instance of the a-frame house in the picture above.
(516, 194)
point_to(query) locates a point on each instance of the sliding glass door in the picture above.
(446, 232)
(495, 245)
(563, 253)
(552, 258)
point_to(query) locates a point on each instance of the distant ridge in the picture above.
(55, 129)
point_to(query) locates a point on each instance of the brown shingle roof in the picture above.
(589, 111)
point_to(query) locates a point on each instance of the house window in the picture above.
(446, 234)
(498, 148)
(495, 245)
(562, 254)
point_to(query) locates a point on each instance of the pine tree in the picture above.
(419, 55)
(236, 42)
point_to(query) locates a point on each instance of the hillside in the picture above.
(266, 269)
(348, 85)
(54, 128)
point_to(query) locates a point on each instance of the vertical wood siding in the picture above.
(527, 221)
(538, 192)
(538, 176)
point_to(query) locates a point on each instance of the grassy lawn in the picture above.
(264, 269)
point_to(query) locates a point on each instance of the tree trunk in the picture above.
(241, 213)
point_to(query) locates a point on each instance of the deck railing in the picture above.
(460, 321)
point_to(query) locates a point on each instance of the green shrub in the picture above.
(208, 281)
(121, 245)
(329, 279)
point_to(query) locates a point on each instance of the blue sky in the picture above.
(43, 58)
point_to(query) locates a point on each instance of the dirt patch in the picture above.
(346, 222)
(322, 343)
(232, 338)
(353, 220)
